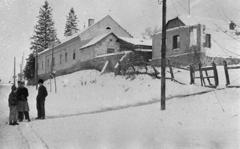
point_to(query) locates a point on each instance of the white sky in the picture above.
(18, 18)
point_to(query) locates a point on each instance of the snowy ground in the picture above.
(91, 110)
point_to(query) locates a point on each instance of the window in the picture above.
(66, 57)
(208, 40)
(176, 41)
(60, 59)
(110, 50)
(42, 64)
(108, 28)
(74, 55)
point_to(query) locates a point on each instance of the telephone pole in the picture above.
(163, 56)
(14, 72)
(189, 8)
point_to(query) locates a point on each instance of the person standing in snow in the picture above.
(42, 94)
(12, 103)
(23, 108)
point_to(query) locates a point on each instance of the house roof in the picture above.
(63, 41)
(133, 41)
(96, 39)
(136, 41)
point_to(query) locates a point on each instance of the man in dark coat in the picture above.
(42, 94)
(23, 108)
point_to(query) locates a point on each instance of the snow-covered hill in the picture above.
(91, 110)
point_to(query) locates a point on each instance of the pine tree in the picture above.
(71, 23)
(29, 69)
(44, 31)
(44, 34)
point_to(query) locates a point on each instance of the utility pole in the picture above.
(14, 72)
(36, 68)
(163, 56)
(189, 8)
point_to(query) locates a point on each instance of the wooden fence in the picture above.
(207, 76)
(226, 68)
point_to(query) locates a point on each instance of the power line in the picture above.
(225, 48)
(226, 33)
(175, 8)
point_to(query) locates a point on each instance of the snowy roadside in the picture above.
(87, 91)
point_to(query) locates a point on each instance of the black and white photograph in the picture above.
(120, 74)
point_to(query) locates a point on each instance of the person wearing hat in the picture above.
(41, 96)
(12, 103)
(23, 108)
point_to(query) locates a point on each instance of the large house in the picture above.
(103, 37)
(192, 39)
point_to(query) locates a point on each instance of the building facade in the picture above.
(185, 44)
(99, 38)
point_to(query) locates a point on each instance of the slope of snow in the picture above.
(88, 90)
(91, 110)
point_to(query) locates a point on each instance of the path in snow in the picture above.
(16, 137)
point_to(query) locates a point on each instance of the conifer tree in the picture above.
(44, 31)
(44, 34)
(71, 23)
(30, 67)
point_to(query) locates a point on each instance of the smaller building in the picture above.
(184, 44)
(192, 39)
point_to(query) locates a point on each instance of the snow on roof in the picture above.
(224, 45)
(96, 40)
(80, 33)
(136, 41)
(133, 41)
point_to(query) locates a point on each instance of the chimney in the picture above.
(90, 22)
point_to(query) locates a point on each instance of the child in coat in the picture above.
(12, 103)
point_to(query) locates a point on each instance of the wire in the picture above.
(225, 48)
(175, 8)
(226, 33)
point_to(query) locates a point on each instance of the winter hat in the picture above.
(40, 81)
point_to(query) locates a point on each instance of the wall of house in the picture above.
(190, 42)
(45, 59)
(100, 28)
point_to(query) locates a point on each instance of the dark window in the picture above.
(74, 55)
(66, 57)
(208, 40)
(60, 59)
(110, 50)
(176, 41)
(108, 28)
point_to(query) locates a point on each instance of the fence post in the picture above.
(171, 70)
(226, 73)
(209, 82)
(201, 75)
(215, 74)
(191, 74)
